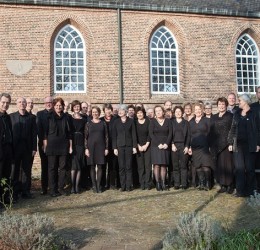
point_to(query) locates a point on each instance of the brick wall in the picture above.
(206, 52)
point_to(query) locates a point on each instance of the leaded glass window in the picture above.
(164, 62)
(69, 61)
(247, 65)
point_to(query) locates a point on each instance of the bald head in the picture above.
(48, 103)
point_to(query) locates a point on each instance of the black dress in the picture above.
(78, 155)
(199, 143)
(96, 141)
(223, 159)
(160, 134)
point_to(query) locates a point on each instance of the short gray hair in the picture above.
(123, 107)
(208, 104)
(246, 98)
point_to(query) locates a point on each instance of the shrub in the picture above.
(193, 232)
(34, 232)
(254, 202)
(243, 240)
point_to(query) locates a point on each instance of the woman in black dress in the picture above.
(96, 147)
(57, 145)
(143, 151)
(244, 141)
(223, 159)
(202, 161)
(124, 144)
(160, 131)
(180, 147)
(78, 155)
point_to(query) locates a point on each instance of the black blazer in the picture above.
(185, 131)
(124, 134)
(30, 130)
(42, 123)
(253, 130)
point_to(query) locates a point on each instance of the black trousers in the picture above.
(56, 172)
(23, 169)
(245, 170)
(125, 166)
(44, 168)
(6, 165)
(144, 168)
(179, 165)
(112, 175)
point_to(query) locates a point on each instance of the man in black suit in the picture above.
(6, 141)
(25, 147)
(42, 120)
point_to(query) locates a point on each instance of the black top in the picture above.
(124, 133)
(41, 121)
(142, 131)
(109, 124)
(24, 130)
(58, 133)
(199, 133)
(219, 129)
(160, 134)
(252, 130)
(242, 129)
(181, 132)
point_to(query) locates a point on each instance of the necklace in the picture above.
(160, 122)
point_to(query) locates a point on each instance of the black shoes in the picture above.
(158, 186)
(222, 189)
(27, 196)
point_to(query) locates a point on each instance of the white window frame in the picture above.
(163, 68)
(62, 68)
(247, 83)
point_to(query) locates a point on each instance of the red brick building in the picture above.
(129, 51)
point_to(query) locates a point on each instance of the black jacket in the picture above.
(42, 122)
(185, 131)
(29, 132)
(5, 127)
(253, 130)
(124, 134)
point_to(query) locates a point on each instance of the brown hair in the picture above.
(97, 108)
(222, 99)
(75, 103)
(58, 99)
(180, 108)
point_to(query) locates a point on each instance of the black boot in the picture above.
(201, 180)
(164, 188)
(158, 186)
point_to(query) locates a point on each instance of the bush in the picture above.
(193, 232)
(244, 240)
(254, 202)
(34, 232)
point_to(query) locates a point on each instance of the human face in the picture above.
(168, 114)
(84, 108)
(208, 110)
(29, 105)
(150, 113)
(159, 112)
(21, 104)
(4, 104)
(198, 111)
(121, 113)
(222, 107)
(242, 103)
(258, 94)
(187, 110)
(131, 112)
(48, 103)
(76, 109)
(231, 100)
(95, 113)
(178, 113)
(168, 105)
(140, 115)
(58, 108)
(108, 112)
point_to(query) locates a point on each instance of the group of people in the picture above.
(130, 146)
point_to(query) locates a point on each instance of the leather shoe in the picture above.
(44, 192)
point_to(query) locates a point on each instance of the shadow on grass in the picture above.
(79, 237)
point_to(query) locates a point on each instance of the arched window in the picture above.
(164, 62)
(247, 64)
(69, 61)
